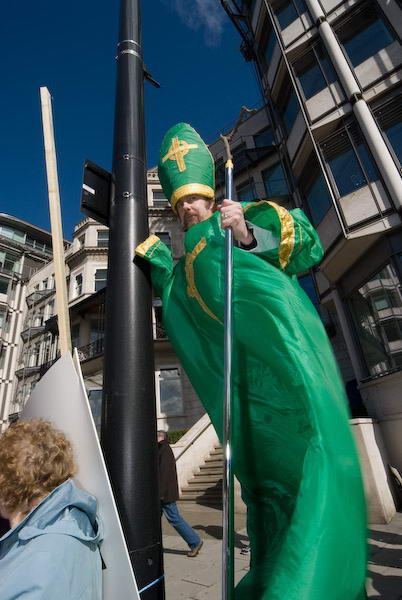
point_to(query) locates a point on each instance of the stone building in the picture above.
(86, 269)
(330, 73)
(23, 249)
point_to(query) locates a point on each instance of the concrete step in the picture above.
(211, 479)
(217, 452)
(199, 485)
(213, 461)
(211, 474)
(209, 467)
(206, 496)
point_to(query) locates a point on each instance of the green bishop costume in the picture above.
(293, 451)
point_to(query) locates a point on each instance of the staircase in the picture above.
(206, 486)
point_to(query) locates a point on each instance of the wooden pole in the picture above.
(55, 223)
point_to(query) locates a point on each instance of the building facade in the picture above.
(86, 270)
(330, 72)
(24, 248)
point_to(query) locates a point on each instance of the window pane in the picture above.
(275, 181)
(100, 279)
(269, 47)
(307, 283)
(318, 198)
(301, 6)
(3, 285)
(290, 111)
(170, 392)
(286, 14)
(394, 134)
(367, 38)
(103, 239)
(347, 172)
(164, 236)
(368, 163)
(159, 198)
(264, 138)
(246, 193)
(311, 78)
(376, 313)
(325, 63)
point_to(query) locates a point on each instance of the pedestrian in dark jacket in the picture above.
(169, 493)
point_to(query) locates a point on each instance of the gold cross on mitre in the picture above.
(177, 152)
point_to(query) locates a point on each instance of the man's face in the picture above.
(194, 209)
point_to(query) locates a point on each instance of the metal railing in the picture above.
(91, 350)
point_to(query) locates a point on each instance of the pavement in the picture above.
(200, 578)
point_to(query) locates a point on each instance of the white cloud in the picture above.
(202, 14)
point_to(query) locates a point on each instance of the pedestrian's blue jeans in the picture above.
(172, 514)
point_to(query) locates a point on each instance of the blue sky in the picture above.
(70, 48)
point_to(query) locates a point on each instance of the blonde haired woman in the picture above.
(52, 548)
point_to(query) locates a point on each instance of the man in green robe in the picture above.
(293, 451)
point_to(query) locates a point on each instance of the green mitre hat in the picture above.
(185, 165)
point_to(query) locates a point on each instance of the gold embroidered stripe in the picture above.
(143, 248)
(191, 287)
(287, 242)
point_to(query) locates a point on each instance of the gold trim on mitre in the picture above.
(143, 248)
(191, 188)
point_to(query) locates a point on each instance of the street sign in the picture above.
(96, 192)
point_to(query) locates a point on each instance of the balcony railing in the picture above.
(38, 295)
(160, 332)
(91, 350)
(31, 332)
(46, 366)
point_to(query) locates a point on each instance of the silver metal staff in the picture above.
(228, 481)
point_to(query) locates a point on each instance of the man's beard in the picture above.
(189, 220)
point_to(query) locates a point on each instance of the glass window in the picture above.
(170, 392)
(318, 197)
(78, 285)
(269, 46)
(364, 36)
(159, 198)
(394, 135)
(13, 234)
(264, 138)
(50, 309)
(342, 158)
(164, 236)
(314, 71)
(286, 12)
(103, 238)
(97, 327)
(219, 172)
(100, 279)
(290, 111)
(275, 181)
(246, 192)
(95, 402)
(376, 311)
(307, 283)
(75, 335)
(3, 316)
(389, 117)
(10, 262)
(4, 285)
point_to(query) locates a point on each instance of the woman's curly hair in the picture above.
(35, 458)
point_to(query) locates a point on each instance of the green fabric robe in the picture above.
(293, 451)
